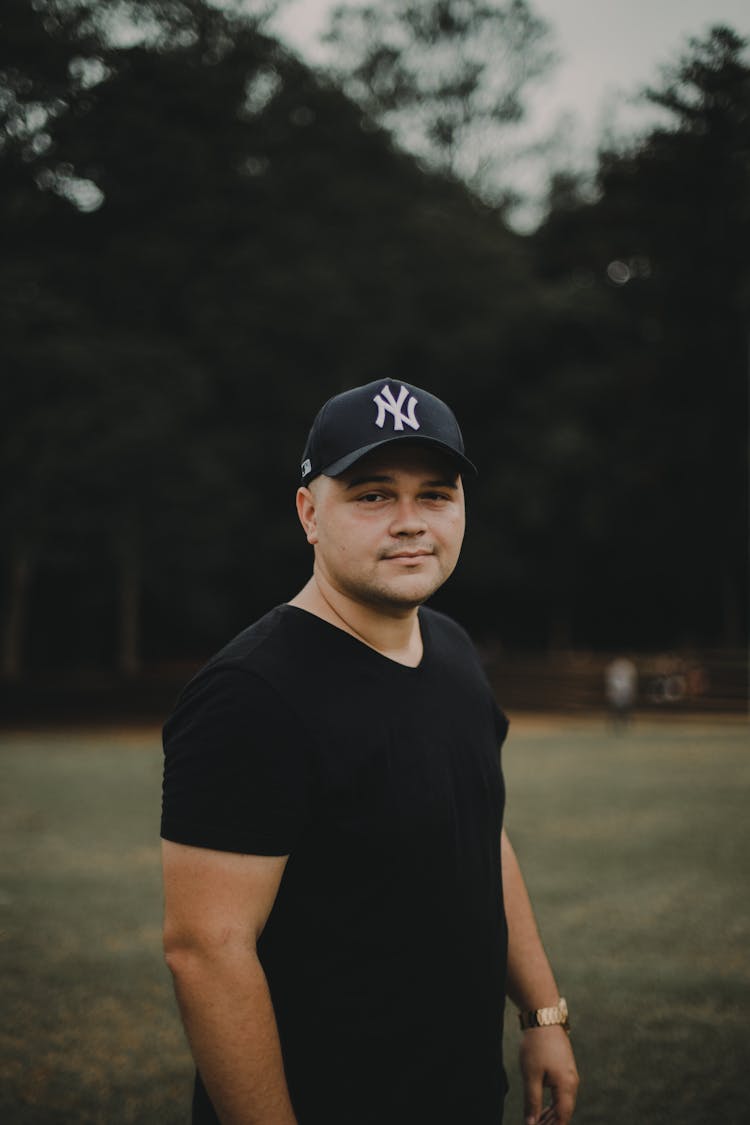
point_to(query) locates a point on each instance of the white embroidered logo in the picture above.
(386, 402)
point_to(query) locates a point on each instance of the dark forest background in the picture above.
(203, 238)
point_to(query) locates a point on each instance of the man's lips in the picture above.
(409, 555)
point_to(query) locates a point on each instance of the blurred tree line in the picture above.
(203, 239)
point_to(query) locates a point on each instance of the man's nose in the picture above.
(408, 519)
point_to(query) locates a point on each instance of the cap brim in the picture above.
(464, 464)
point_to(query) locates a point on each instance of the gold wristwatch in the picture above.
(546, 1017)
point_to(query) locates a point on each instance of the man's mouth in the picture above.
(409, 555)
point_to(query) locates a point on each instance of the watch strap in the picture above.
(546, 1017)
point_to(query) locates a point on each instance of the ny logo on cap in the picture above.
(386, 402)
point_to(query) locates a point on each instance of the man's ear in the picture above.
(306, 513)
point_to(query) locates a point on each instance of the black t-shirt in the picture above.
(385, 950)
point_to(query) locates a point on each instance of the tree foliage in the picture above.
(665, 247)
(203, 240)
(212, 245)
(447, 77)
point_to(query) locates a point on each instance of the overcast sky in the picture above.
(609, 49)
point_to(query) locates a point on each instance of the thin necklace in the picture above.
(349, 627)
(341, 618)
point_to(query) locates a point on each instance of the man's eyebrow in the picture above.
(440, 482)
(369, 479)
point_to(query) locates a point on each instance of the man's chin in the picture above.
(406, 594)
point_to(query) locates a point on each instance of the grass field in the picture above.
(636, 849)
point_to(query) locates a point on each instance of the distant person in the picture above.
(621, 686)
(337, 878)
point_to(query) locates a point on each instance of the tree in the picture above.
(98, 456)
(210, 243)
(664, 248)
(447, 77)
(37, 47)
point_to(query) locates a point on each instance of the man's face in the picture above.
(388, 532)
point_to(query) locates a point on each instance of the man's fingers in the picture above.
(533, 1093)
(564, 1106)
(564, 1099)
(546, 1058)
(559, 1113)
(548, 1116)
(551, 1116)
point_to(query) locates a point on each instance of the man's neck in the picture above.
(395, 635)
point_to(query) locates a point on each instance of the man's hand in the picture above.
(547, 1059)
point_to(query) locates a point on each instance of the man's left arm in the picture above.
(546, 1054)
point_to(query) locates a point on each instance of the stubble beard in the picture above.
(385, 597)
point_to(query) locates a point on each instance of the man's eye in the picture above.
(371, 497)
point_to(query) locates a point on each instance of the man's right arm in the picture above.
(216, 905)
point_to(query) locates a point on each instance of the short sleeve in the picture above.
(501, 724)
(237, 773)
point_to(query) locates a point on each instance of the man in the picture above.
(621, 687)
(334, 861)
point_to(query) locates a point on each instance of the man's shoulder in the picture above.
(267, 651)
(444, 628)
(455, 654)
(258, 670)
(247, 647)
(452, 647)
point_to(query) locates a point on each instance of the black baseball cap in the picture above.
(382, 413)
